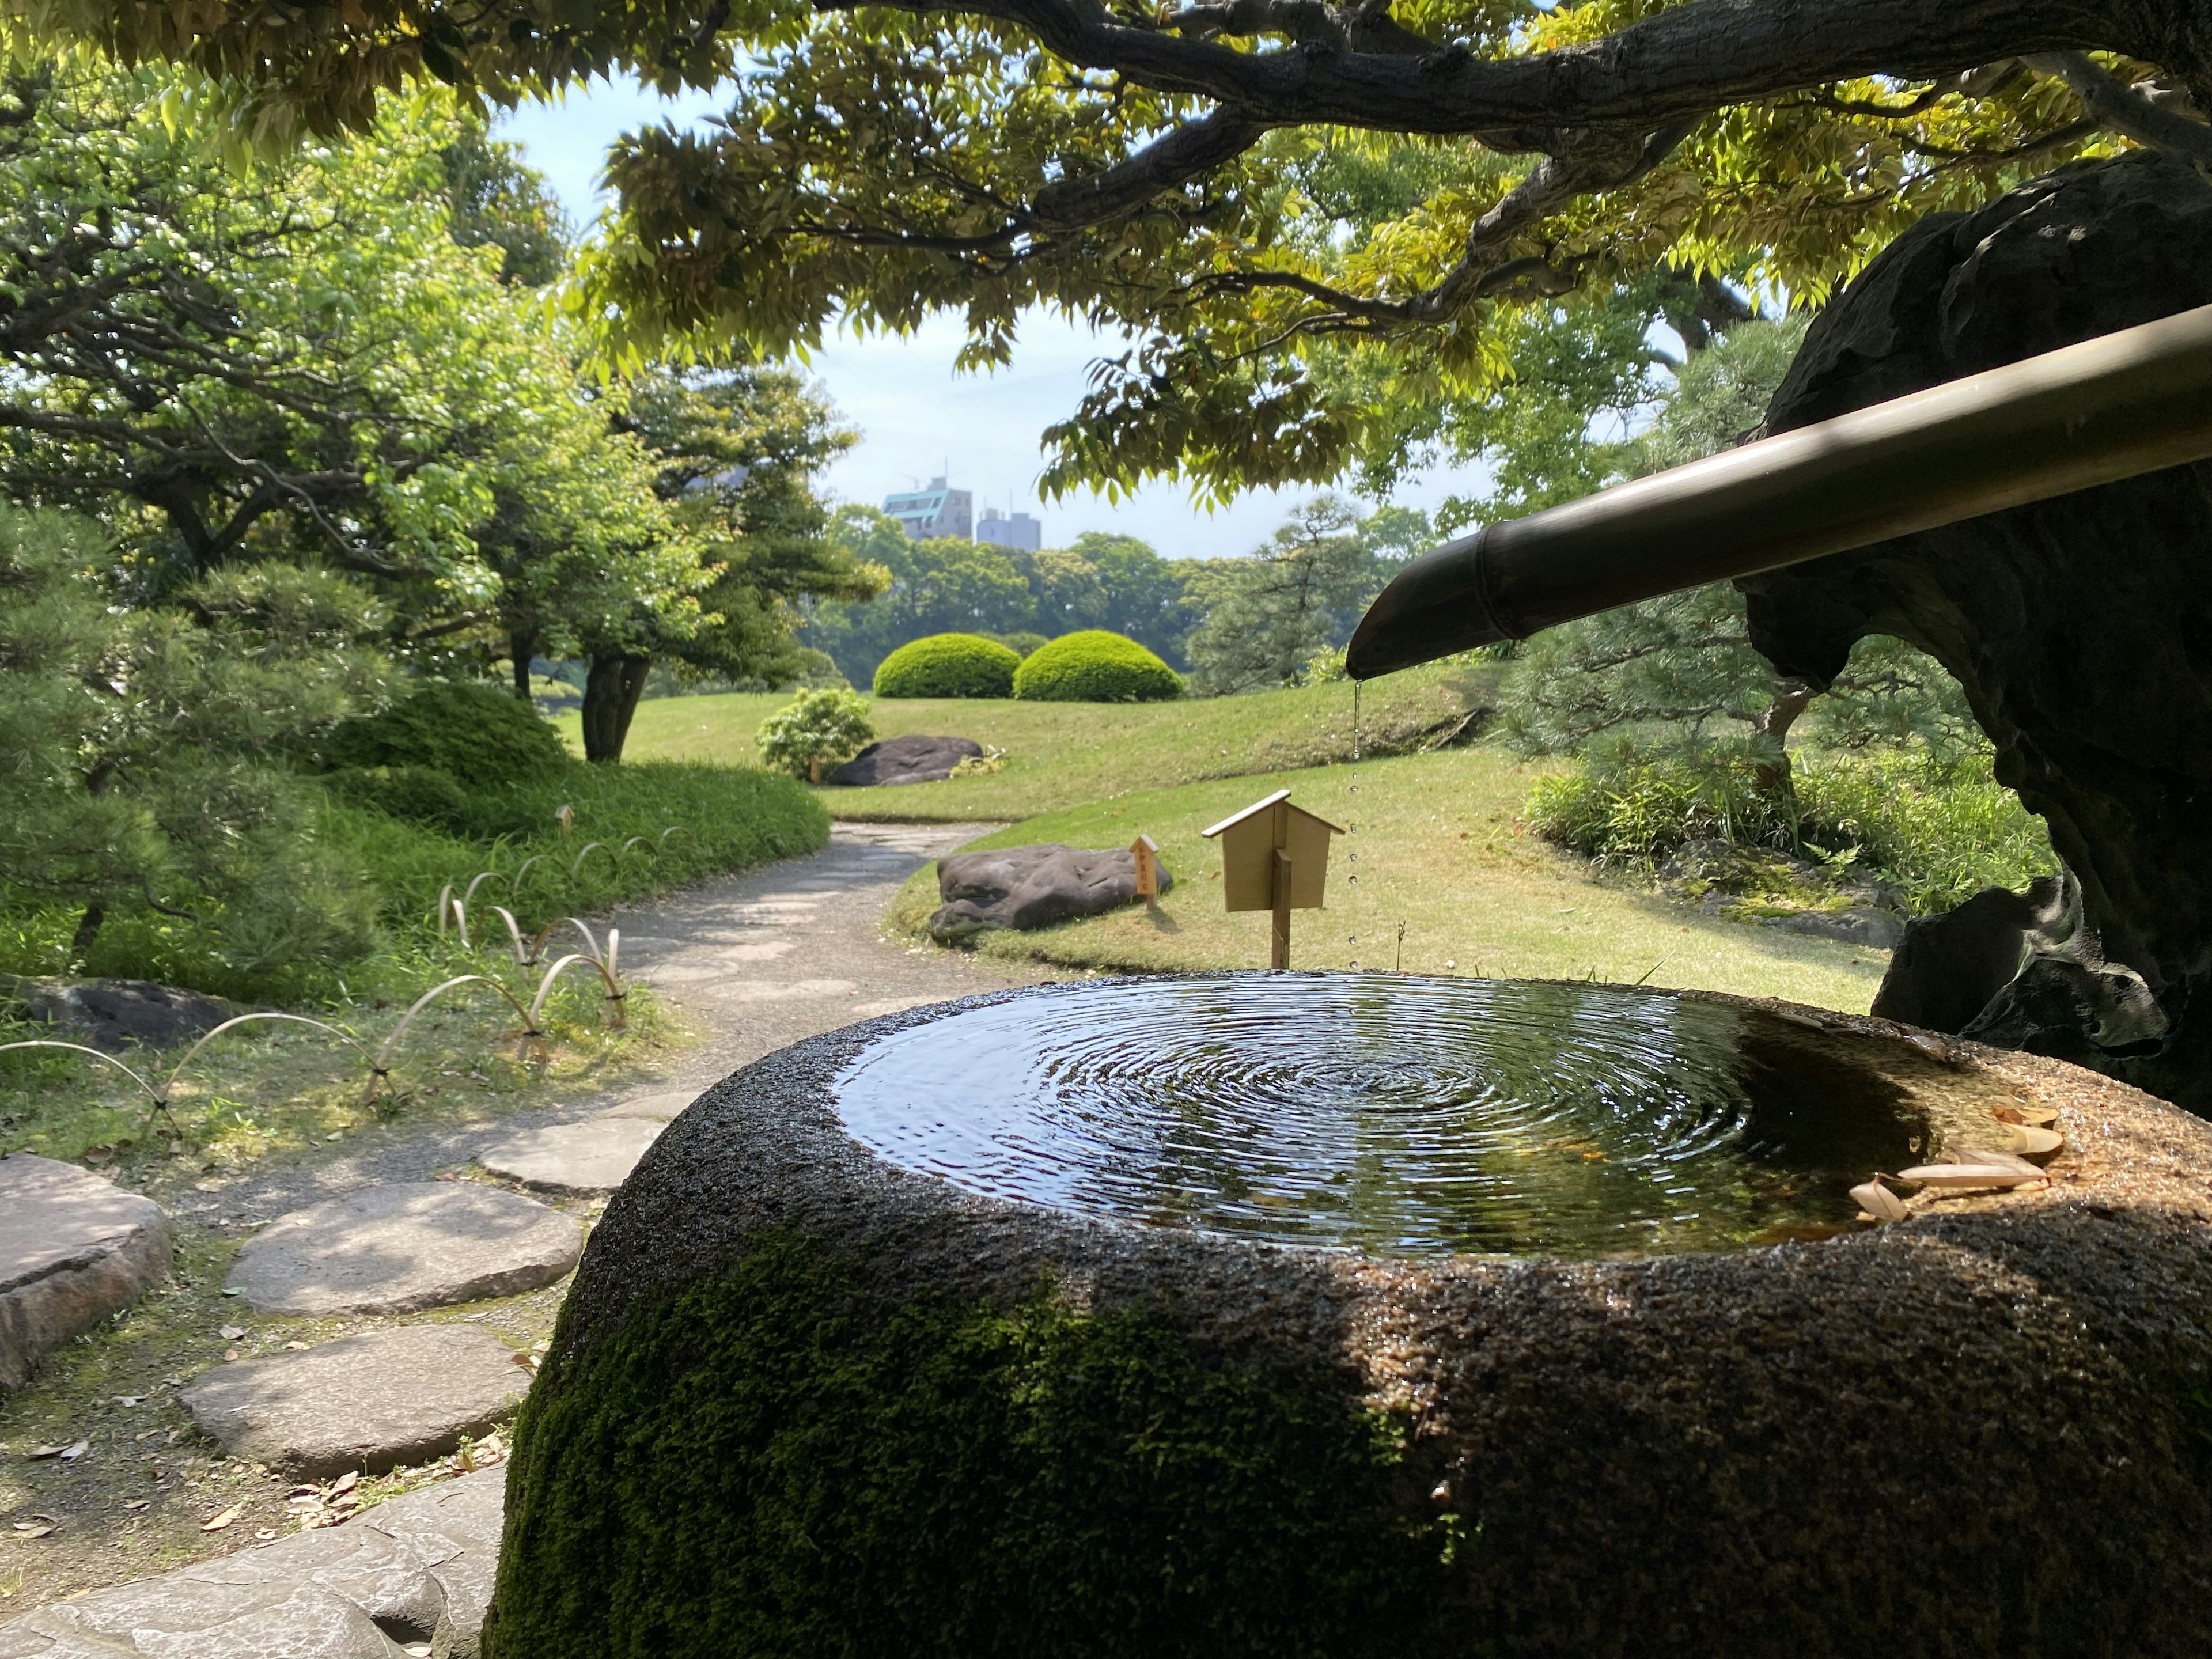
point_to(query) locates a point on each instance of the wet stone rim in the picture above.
(2002, 1403)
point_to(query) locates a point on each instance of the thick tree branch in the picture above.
(1192, 149)
(2114, 105)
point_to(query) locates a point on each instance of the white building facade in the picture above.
(1020, 531)
(934, 512)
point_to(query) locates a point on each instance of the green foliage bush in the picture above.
(815, 730)
(478, 734)
(1095, 667)
(420, 794)
(1939, 828)
(948, 665)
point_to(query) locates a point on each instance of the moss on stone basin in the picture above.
(805, 1401)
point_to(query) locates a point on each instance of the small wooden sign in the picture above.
(1274, 856)
(1146, 853)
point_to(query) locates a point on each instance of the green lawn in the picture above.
(1436, 844)
(1059, 752)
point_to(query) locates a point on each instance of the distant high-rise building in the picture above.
(1021, 531)
(936, 511)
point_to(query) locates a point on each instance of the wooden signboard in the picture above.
(1146, 853)
(1274, 856)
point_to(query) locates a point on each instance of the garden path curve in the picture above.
(752, 963)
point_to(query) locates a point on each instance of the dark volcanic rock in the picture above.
(905, 760)
(114, 1014)
(1023, 887)
(2076, 625)
(801, 1391)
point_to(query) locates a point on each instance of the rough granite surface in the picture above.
(369, 1402)
(74, 1249)
(1936, 1432)
(417, 1569)
(404, 1247)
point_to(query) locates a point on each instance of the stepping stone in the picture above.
(656, 1108)
(364, 1402)
(593, 1156)
(75, 1249)
(412, 1245)
(417, 1569)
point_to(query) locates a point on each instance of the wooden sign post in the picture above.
(1274, 857)
(1146, 853)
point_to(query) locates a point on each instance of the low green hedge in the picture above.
(1095, 667)
(477, 734)
(948, 665)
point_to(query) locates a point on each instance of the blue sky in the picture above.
(915, 415)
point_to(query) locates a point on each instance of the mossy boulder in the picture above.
(478, 735)
(948, 665)
(803, 1400)
(1095, 667)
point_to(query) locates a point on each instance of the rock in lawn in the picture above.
(116, 1014)
(593, 1156)
(412, 1245)
(904, 760)
(1023, 887)
(363, 1403)
(74, 1249)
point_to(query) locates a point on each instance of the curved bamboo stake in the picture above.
(381, 1068)
(647, 842)
(445, 898)
(545, 987)
(514, 881)
(45, 1042)
(482, 876)
(616, 997)
(591, 943)
(590, 847)
(523, 955)
(673, 829)
(169, 1087)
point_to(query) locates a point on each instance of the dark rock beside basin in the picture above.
(904, 760)
(119, 1014)
(1033, 886)
(803, 1399)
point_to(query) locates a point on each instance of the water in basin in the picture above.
(1395, 1115)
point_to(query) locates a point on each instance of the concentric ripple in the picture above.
(1398, 1116)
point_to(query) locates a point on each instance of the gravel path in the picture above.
(752, 963)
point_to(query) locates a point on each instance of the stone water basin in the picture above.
(1343, 1314)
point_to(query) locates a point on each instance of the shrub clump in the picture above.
(477, 734)
(1095, 667)
(813, 731)
(948, 665)
(418, 794)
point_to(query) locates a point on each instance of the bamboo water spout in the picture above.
(2127, 403)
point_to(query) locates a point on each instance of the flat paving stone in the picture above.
(363, 1403)
(595, 1156)
(402, 1248)
(75, 1249)
(417, 1569)
(655, 1108)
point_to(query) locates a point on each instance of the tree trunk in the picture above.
(2077, 625)
(87, 930)
(520, 648)
(612, 688)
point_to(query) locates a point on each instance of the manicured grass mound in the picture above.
(783, 1461)
(1095, 667)
(948, 665)
(477, 734)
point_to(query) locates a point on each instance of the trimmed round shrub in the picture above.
(948, 665)
(815, 731)
(479, 735)
(1095, 666)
